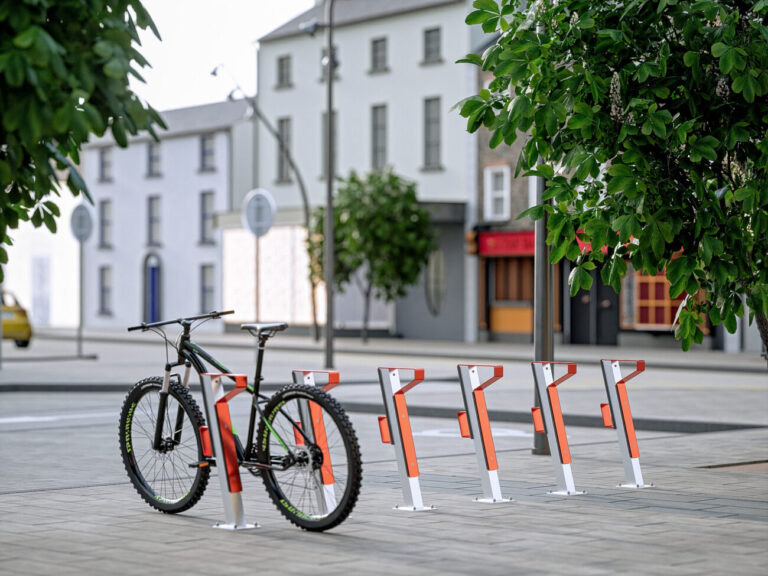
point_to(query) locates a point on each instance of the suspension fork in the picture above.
(180, 410)
(162, 405)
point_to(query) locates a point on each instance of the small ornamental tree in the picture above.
(64, 67)
(650, 123)
(383, 238)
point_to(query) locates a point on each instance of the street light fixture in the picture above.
(253, 103)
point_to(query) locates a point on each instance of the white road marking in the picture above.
(453, 433)
(55, 417)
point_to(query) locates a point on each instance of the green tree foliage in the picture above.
(651, 120)
(383, 238)
(64, 68)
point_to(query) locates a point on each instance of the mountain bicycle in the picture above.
(164, 439)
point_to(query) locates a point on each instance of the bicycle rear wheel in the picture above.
(163, 478)
(320, 484)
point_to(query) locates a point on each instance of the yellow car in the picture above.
(16, 325)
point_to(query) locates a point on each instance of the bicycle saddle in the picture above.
(259, 328)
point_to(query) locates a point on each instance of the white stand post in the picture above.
(624, 425)
(313, 426)
(225, 452)
(549, 419)
(395, 429)
(474, 423)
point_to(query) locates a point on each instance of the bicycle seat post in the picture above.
(257, 377)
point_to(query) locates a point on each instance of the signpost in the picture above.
(258, 216)
(82, 227)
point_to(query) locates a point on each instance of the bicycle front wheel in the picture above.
(312, 447)
(163, 477)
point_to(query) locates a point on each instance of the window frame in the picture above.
(283, 168)
(154, 211)
(105, 223)
(432, 127)
(207, 153)
(153, 159)
(323, 68)
(105, 164)
(490, 194)
(379, 137)
(284, 72)
(206, 217)
(105, 291)
(434, 56)
(324, 142)
(207, 290)
(379, 58)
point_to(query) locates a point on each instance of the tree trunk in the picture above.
(315, 326)
(366, 311)
(762, 328)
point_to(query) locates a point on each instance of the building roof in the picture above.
(191, 120)
(347, 12)
(205, 117)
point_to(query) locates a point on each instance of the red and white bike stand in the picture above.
(474, 423)
(549, 420)
(395, 428)
(311, 422)
(224, 448)
(616, 388)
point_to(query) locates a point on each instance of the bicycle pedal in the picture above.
(203, 463)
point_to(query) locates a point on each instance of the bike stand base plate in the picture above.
(627, 485)
(415, 508)
(493, 500)
(567, 493)
(235, 527)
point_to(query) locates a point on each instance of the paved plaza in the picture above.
(68, 508)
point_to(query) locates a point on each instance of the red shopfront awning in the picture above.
(521, 243)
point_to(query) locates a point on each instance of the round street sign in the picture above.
(258, 211)
(82, 223)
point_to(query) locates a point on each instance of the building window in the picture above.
(432, 133)
(105, 224)
(206, 217)
(206, 153)
(105, 291)
(324, 64)
(153, 220)
(284, 134)
(153, 159)
(513, 279)
(284, 72)
(206, 288)
(379, 55)
(324, 144)
(496, 181)
(432, 46)
(105, 164)
(646, 302)
(379, 137)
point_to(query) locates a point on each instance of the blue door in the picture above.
(153, 293)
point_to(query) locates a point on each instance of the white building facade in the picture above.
(394, 88)
(156, 248)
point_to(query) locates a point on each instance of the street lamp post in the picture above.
(329, 253)
(543, 308)
(329, 256)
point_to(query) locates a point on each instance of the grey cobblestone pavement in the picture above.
(67, 506)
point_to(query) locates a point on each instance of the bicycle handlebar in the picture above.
(146, 326)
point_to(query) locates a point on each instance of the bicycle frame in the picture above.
(191, 355)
